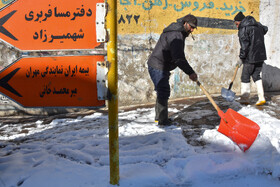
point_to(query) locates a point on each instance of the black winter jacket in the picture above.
(251, 38)
(169, 50)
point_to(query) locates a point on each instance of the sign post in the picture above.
(113, 89)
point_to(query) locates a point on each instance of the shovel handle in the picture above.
(235, 72)
(209, 97)
(234, 75)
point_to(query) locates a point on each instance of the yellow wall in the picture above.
(3, 3)
(145, 16)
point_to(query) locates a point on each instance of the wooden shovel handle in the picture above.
(234, 75)
(209, 97)
(235, 72)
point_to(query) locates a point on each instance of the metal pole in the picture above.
(112, 52)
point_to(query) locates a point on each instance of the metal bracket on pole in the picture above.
(112, 52)
(101, 78)
(100, 22)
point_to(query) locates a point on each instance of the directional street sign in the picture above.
(53, 24)
(69, 81)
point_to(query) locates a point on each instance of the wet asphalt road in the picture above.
(201, 115)
(194, 115)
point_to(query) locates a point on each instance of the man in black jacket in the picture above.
(166, 56)
(252, 55)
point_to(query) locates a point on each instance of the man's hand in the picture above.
(239, 63)
(193, 76)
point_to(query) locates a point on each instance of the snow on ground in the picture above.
(75, 152)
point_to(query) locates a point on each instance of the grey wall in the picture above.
(270, 16)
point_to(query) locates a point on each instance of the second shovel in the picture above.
(227, 93)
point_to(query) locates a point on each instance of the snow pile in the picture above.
(75, 152)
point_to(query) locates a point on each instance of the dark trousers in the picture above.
(161, 82)
(162, 87)
(251, 70)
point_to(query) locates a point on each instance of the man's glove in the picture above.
(193, 76)
(239, 63)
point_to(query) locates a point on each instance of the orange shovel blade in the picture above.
(238, 128)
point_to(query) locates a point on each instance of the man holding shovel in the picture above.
(252, 55)
(166, 56)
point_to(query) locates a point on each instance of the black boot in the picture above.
(156, 111)
(161, 110)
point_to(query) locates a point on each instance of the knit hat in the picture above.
(190, 19)
(239, 17)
